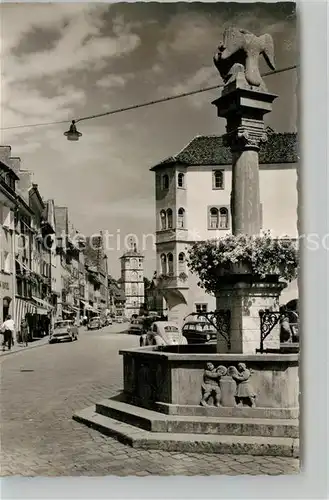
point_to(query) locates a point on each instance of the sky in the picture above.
(64, 61)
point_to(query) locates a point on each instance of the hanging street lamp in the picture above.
(72, 134)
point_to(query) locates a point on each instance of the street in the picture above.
(40, 390)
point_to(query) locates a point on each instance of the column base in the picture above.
(244, 300)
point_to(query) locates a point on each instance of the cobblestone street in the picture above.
(42, 387)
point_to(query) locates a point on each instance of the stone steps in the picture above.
(185, 442)
(156, 422)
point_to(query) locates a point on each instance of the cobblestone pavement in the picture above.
(40, 390)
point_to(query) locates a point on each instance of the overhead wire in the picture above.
(141, 105)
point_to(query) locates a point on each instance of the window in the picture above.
(6, 262)
(165, 182)
(169, 218)
(181, 262)
(134, 289)
(214, 218)
(223, 218)
(163, 264)
(170, 264)
(201, 308)
(181, 215)
(133, 263)
(218, 179)
(180, 180)
(218, 218)
(163, 220)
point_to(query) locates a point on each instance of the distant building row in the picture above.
(47, 269)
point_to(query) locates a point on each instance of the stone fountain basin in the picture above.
(168, 379)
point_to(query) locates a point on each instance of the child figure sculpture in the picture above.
(210, 386)
(244, 395)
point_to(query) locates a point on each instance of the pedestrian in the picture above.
(8, 329)
(24, 332)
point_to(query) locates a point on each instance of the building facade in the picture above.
(97, 274)
(193, 204)
(132, 281)
(8, 204)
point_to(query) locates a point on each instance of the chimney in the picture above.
(15, 163)
(5, 152)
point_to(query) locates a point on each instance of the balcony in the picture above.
(167, 281)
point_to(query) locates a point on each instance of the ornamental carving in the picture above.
(238, 56)
(245, 137)
(242, 391)
(210, 386)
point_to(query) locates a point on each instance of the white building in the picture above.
(193, 203)
(132, 281)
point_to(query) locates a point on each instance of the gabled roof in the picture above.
(210, 150)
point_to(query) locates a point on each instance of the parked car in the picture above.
(119, 319)
(199, 332)
(136, 326)
(94, 323)
(163, 333)
(64, 330)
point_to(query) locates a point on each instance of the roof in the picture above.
(133, 252)
(210, 150)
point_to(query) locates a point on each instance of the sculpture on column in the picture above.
(210, 386)
(238, 54)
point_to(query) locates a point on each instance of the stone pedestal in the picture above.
(244, 300)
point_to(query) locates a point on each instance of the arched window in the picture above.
(165, 182)
(180, 180)
(163, 264)
(218, 179)
(181, 216)
(170, 264)
(134, 263)
(181, 263)
(134, 276)
(169, 218)
(214, 218)
(163, 220)
(223, 219)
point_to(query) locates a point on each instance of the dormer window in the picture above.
(180, 180)
(165, 181)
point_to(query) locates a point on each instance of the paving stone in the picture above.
(39, 437)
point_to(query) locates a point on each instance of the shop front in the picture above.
(6, 296)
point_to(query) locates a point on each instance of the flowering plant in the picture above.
(262, 255)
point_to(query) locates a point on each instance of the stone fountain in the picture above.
(222, 398)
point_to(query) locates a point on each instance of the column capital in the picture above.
(244, 108)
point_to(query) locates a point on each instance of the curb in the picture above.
(7, 353)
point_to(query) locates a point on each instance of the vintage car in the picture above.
(64, 330)
(163, 333)
(199, 332)
(136, 326)
(94, 323)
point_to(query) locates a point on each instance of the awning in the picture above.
(90, 308)
(42, 303)
(65, 311)
(42, 311)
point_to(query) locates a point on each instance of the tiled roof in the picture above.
(210, 150)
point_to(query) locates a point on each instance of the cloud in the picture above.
(80, 45)
(113, 81)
